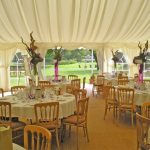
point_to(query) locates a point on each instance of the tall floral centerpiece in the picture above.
(35, 57)
(140, 60)
(115, 59)
(57, 58)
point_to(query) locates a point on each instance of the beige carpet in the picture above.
(104, 134)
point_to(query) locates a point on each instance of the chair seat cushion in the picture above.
(124, 106)
(73, 119)
(49, 125)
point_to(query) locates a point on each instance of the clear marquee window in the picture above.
(147, 69)
(122, 65)
(73, 62)
(17, 72)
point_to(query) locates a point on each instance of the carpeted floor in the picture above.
(104, 134)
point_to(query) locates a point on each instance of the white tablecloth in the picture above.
(141, 97)
(61, 83)
(17, 147)
(25, 108)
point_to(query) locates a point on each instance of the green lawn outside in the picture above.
(64, 70)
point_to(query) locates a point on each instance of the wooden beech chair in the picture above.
(123, 82)
(125, 101)
(98, 85)
(143, 134)
(145, 109)
(44, 84)
(72, 77)
(75, 83)
(15, 89)
(79, 119)
(6, 119)
(47, 116)
(120, 77)
(110, 100)
(84, 79)
(79, 94)
(37, 137)
(2, 92)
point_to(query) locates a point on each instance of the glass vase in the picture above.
(35, 73)
(56, 71)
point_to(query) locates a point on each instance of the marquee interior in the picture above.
(99, 24)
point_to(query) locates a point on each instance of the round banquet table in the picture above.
(24, 108)
(17, 147)
(141, 97)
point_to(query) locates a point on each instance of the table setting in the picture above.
(141, 91)
(23, 103)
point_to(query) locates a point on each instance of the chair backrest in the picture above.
(106, 91)
(37, 138)
(123, 82)
(75, 83)
(2, 92)
(82, 109)
(84, 79)
(100, 79)
(79, 94)
(125, 96)
(46, 113)
(109, 93)
(145, 110)
(44, 83)
(5, 113)
(71, 77)
(122, 77)
(15, 89)
(143, 134)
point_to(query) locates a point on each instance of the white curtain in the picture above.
(42, 53)
(5, 59)
(75, 22)
(101, 60)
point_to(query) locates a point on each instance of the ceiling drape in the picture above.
(73, 23)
